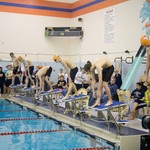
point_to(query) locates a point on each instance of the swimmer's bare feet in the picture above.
(131, 118)
(50, 90)
(109, 103)
(33, 86)
(64, 97)
(11, 85)
(41, 91)
(25, 87)
(97, 103)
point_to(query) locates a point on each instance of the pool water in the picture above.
(23, 129)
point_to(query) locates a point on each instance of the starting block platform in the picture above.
(109, 118)
(115, 104)
(17, 89)
(75, 103)
(51, 97)
(16, 86)
(55, 91)
(29, 91)
(75, 97)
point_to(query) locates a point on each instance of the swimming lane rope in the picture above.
(15, 119)
(11, 110)
(93, 148)
(31, 132)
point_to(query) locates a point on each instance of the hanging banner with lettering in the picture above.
(109, 26)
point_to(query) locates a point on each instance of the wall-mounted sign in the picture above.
(109, 26)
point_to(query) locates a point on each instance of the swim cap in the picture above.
(145, 39)
(39, 67)
(55, 58)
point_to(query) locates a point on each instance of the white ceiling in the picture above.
(66, 1)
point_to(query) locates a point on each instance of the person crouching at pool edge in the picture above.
(105, 70)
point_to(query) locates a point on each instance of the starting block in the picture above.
(17, 89)
(77, 102)
(30, 92)
(30, 89)
(16, 86)
(109, 117)
(51, 97)
(27, 89)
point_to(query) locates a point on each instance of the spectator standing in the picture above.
(2, 80)
(8, 76)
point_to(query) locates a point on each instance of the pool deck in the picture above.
(95, 128)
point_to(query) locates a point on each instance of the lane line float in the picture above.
(11, 110)
(93, 148)
(15, 119)
(31, 132)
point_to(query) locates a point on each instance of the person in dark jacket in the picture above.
(118, 78)
(2, 80)
(137, 96)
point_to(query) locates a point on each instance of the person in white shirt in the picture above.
(80, 78)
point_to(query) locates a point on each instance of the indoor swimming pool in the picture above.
(24, 129)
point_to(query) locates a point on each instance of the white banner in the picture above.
(109, 26)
